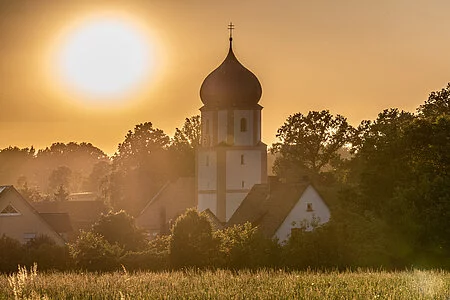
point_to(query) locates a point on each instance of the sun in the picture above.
(105, 59)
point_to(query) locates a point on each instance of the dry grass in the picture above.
(264, 284)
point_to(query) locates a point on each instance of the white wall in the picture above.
(207, 174)
(222, 127)
(233, 202)
(249, 172)
(207, 126)
(300, 213)
(207, 201)
(243, 138)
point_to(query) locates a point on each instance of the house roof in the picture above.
(9, 188)
(267, 206)
(181, 191)
(215, 222)
(60, 222)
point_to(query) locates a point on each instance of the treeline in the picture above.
(390, 174)
(388, 185)
(143, 162)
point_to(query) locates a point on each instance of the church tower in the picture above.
(231, 157)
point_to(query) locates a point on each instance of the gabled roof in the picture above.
(215, 222)
(267, 206)
(182, 191)
(10, 189)
(60, 222)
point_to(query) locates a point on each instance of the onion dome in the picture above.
(231, 85)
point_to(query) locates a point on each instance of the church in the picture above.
(231, 182)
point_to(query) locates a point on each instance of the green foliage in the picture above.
(92, 252)
(154, 257)
(183, 147)
(49, 256)
(140, 168)
(309, 144)
(11, 254)
(119, 228)
(438, 104)
(192, 243)
(242, 246)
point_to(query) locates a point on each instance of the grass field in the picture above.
(266, 284)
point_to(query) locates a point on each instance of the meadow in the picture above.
(224, 284)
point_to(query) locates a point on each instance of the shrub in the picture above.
(192, 243)
(119, 228)
(243, 246)
(11, 254)
(154, 258)
(93, 253)
(44, 251)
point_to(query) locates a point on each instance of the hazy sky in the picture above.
(354, 58)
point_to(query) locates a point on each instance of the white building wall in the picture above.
(243, 138)
(222, 127)
(207, 201)
(233, 202)
(207, 128)
(207, 170)
(299, 214)
(258, 126)
(246, 174)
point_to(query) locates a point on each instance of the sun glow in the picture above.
(105, 59)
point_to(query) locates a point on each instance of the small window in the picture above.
(243, 125)
(243, 184)
(309, 207)
(29, 236)
(207, 160)
(242, 159)
(9, 210)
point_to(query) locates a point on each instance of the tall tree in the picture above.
(183, 147)
(309, 144)
(140, 167)
(438, 104)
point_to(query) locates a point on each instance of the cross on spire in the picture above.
(231, 28)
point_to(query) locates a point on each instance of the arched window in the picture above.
(243, 125)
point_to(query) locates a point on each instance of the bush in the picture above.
(243, 246)
(44, 251)
(11, 254)
(119, 228)
(93, 253)
(154, 258)
(192, 243)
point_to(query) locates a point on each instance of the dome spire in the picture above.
(231, 28)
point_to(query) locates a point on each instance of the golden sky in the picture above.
(354, 58)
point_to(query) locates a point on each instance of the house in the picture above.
(20, 220)
(82, 211)
(278, 208)
(171, 201)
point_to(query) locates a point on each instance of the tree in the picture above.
(309, 143)
(192, 243)
(140, 168)
(61, 194)
(119, 228)
(183, 147)
(59, 177)
(438, 104)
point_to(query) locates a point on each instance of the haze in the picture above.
(354, 58)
